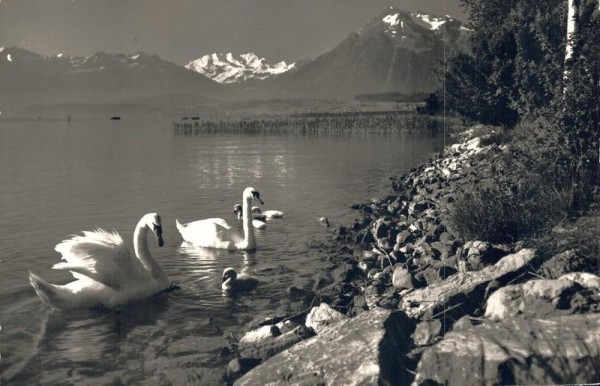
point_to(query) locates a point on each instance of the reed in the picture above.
(324, 124)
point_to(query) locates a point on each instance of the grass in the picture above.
(324, 123)
(503, 211)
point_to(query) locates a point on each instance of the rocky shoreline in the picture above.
(408, 301)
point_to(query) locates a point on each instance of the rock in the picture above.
(446, 238)
(565, 262)
(238, 367)
(416, 207)
(544, 297)
(466, 289)
(296, 293)
(443, 250)
(368, 349)
(322, 316)
(427, 276)
(345, 272)
(463, 323)
(404, 237)
(427, 332)
(553, 350)
(267, 341)
(389, 299)
(359, 305)
(380, 229)
(585, 279)
(402, 278)
(445, 271)
(480, 254)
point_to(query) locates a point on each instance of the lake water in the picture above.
(59, 179)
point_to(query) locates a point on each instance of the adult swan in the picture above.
(217, 233)
(106, 274)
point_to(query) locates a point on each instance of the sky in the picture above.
(184, 30)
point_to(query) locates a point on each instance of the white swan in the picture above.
(106, 273)
(234, 282)
(217, 233)
(257, 220)
(270, 214)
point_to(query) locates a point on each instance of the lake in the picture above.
(59, 179)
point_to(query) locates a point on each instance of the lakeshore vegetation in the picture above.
(543, 104)
(385, 122)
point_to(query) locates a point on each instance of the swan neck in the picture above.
(140, 245)
(227, 284)
(249, 239)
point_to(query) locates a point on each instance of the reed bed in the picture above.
(324, 124)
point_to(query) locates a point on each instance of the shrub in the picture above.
(503, 211)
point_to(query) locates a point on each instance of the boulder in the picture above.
(545, 296)
(404, 237)
(240, 366)
(322, 316)
(461, 294)
(266, 341)
(427, 332)
(368, 349)
(565, 262)
(480, 254)
(555, 350)
(402, 278)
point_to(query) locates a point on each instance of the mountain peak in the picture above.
(227, 68)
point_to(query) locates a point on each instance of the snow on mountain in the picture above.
(225, 68)
(433, 22)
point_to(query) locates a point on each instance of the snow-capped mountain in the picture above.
(397, 51)
(225, 68)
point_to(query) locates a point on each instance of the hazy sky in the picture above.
(182, 30)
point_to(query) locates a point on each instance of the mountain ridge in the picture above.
(225, 68)
(395, 52)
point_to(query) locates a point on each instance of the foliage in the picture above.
(581, 101)
(516, 65)
(504, 210)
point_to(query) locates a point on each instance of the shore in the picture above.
(407, 300)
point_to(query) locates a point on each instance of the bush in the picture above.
(503, 211)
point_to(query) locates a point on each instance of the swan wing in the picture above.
(211, 232)
(98, 255)
(210, 226)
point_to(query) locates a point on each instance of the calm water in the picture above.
(59, 179)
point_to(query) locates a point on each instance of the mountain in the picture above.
(28, 79)
(394, 52)
(225, 68)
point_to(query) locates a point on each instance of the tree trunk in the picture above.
(571, 27)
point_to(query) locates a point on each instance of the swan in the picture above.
(324, 221)
(234, 282)
(106, 273)
(217, 233)
(257, 220)
(270, 214)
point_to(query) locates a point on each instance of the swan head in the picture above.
(237, 209)
(229, 276)
(153, 223)
(252, 194)
(229, 273)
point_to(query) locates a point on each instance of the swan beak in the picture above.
(157, 229)
(256, 196)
